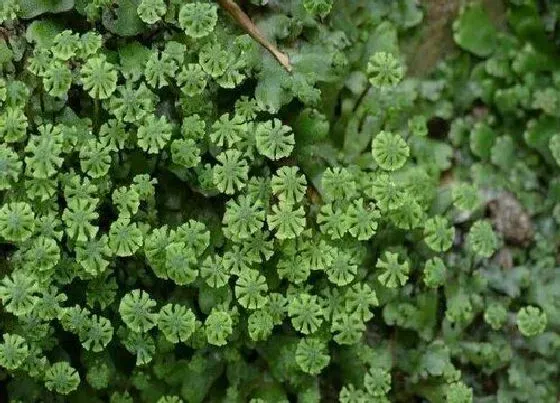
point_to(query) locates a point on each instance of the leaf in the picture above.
(528, 25)
(435, 359)
(6, 54)
(407, 13)
(538, 134)
(433, 152)
(474, 31)
(356, 138)
(271, 92)
(482, 139)
(123, 19)
(33, 8)
(132, 57)
(383, 39)
(508, 281)
(312, 63)
(42, 32)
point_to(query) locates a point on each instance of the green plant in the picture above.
(256, 201)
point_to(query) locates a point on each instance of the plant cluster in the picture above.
(185, 218)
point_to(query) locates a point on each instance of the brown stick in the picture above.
(243, 19)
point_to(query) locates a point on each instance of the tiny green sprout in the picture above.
(231, 173)
(125, 238)
(180, 263)
(98, 376)
(44, 253)
(384, 70)
(342, 269)
(389, 193)
(496, 315)
(466, 197)
(192, 79)
(13, 351)
(97, 334)
(114, 134)
(131, 102)
(57, 79)
(159, 70)
(195, 235)
(458, 392)
(43, 152)
(362, 220)
(13, 125)
(126, 200)
(311, 355)
(214, 272)
(305, 312)
(9, 10)
(243, 217)
(390, 151)
(287, 220)
(151, 11)
(62, 378)
(78, 216)
(99, 77)
(347, 328)
(435, 272)
(418, 126)
(90, 43)
(214, 60)
(274, 140)
(176, 322)
(377, 382)
(293, 268)
(554, 146)
(40, 62)
(253, 201)
(482, 239)
(17, 221)
(218, 327)
(74, 319)
(65, 45)
(321, 8)
(154, 134)
(95, 158)
(338, 183)
(289, 185)
(198, 19)
(333, 221)
(227, 130)
(438, 235)
(531, 321)
(251, 289)
(260, 325)
(393, 273)
(360, 299)
(349, 394)
(136, 310)
(141, 345)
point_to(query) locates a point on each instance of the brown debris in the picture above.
(243, 19)
(511, 220)
(435, 41)
(504, 258)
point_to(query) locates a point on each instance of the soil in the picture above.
(435, 41)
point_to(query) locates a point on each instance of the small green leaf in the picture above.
(123, 19)
(474, 31)
(482, 139)
(42, 32)
(33, 8)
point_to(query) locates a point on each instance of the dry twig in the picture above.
(243, 19)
